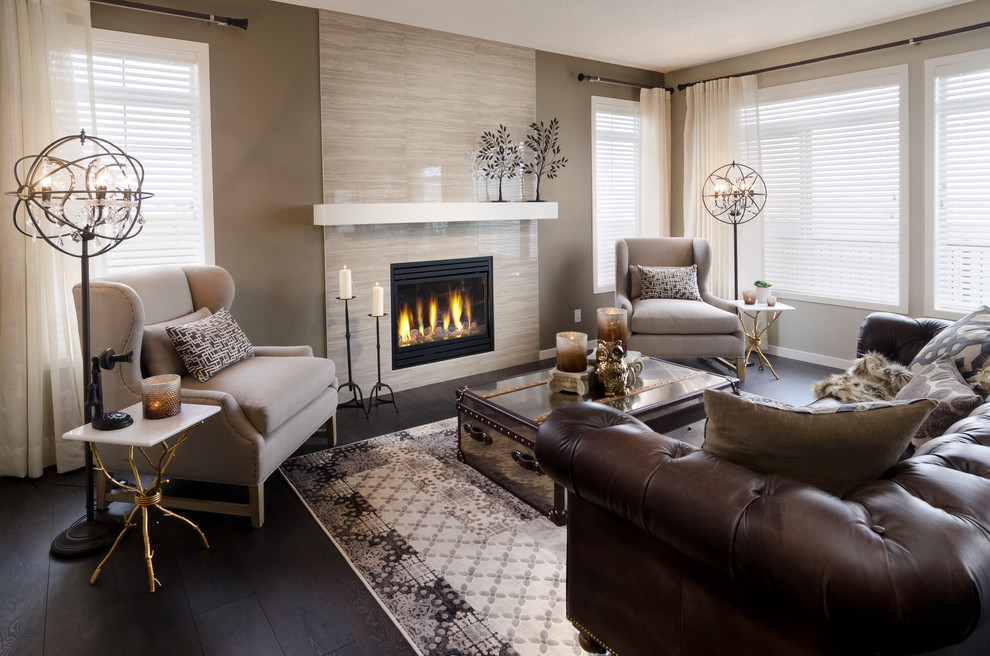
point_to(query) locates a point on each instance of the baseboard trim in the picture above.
(547, 354)
(804, 356)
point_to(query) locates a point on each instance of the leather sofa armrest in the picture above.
(899, 562)
(895, 336)
(304, 351)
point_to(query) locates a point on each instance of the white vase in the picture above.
(761, 294)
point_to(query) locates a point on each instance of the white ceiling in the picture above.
(659, 35)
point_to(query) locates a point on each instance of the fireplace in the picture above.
(441, 309)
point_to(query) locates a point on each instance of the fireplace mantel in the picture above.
(337, 214)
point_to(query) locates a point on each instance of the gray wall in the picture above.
(827, 333)
(565, 244)
(264, 88)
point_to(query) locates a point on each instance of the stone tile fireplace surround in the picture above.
(368, 250)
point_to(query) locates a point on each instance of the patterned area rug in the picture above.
(463, 567)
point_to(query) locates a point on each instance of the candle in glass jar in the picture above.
(612, 326)
(161, 396)
(572, 352)
(377, 301)
(345, 283)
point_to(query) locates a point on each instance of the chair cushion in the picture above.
(669, 316)
(270, 390)
(158, 354)
(210, 345)
(941, 381)
(831, 447)
(670, 282)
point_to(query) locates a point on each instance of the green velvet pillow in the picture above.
(832, 447)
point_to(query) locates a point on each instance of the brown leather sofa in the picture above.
(673, 550)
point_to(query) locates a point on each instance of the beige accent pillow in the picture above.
(158, 354)
(833, 447)
(941, 381)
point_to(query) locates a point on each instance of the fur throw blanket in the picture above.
(871, 378)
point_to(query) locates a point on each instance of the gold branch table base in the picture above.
(142, 435)
(754, 334)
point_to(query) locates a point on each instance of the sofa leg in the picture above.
(331, 429)
(101, 491)
(256, 494)
(590, 645)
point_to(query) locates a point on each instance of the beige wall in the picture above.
(565, 244)
(819, 332)
(264, 88)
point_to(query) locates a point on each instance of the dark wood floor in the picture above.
(283, 589)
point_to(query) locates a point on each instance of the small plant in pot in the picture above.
(762, 290)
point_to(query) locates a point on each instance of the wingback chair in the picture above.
(676, 327)
(270, 404)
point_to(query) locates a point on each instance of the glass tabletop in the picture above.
(660, 382)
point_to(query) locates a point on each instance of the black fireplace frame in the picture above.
(439, 271)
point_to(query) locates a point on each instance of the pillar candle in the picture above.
(377, 301)
(345, 283)
(612, 326)
(572, 352)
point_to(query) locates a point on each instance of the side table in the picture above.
(144, 434)
(754, 334)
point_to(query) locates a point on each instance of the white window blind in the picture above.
(832, 158)
(960, 205)
(615, 157)
(152, 100)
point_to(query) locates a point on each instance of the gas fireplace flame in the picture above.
(441, 323)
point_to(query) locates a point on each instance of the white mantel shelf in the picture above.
(338, 214)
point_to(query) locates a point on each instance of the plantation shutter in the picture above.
(832, 158)
(961, 199)
(152, 101)
(615, 154)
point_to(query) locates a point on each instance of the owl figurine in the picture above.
(611, 370)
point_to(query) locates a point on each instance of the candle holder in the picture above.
(375, 399)
(161, 396)
(358, 400)
(613, 327)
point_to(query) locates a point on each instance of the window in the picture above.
(832, 156)
(152, 100)
(958, 144)
(615, 182)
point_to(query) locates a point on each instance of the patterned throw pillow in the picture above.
(670, 282)
(941, 381)
(830, 447)
(210, 345)
(967, 340)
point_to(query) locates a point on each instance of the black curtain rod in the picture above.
(893, 44)
(209, 18)
(604, 80)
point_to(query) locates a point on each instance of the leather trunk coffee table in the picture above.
(498, 422)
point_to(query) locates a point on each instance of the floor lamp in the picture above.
(82, 195)
(734, 194)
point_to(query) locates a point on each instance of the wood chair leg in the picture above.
(331, 429)
(589, 644)
(256, 495)
(741, 368)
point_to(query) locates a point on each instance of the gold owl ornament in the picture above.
(611, 368)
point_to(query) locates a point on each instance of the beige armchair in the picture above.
(671, 328)
(270, 404)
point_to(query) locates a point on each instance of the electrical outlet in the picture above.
(577, 316)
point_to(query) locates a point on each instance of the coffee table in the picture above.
(498, 422)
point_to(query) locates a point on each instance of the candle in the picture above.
(345, 283)
(377, 301)
(572, 352)
(161, 396)
(612, 326)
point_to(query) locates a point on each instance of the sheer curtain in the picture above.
(41, 99)
(654, 172)
(715, 134)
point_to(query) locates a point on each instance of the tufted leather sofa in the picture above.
(672, 550)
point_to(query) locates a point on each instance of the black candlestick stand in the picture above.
(358, 400)
(375, 399)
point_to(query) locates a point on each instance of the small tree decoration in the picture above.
(546, 153)
(498, 157)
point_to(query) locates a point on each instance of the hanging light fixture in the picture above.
(734, 194)
(82, 195)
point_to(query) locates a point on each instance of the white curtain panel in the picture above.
(654, 172)
(714, 136)
(41, 99)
